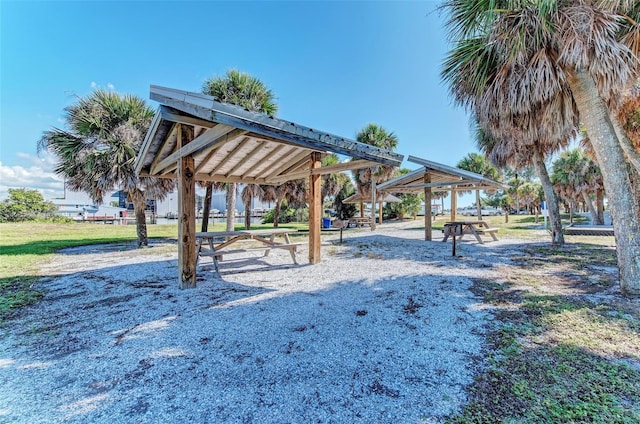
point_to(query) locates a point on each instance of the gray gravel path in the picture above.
(384, 330)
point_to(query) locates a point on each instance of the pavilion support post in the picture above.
(315, 209)
(373, 202)
(187, 206)
(428, 228)
(454, 203)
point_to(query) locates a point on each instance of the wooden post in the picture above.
(373, 202)
(315, 209)
(187, 209)
(454, 203)
(380, 213)
(428, 228)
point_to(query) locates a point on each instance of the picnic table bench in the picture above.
(215, 244)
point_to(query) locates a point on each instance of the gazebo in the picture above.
(379, 197)
(442, 177)
(195, 138)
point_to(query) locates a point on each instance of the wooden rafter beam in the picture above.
(228, 157)
(173, 115)
(213, 136)
(330, 169)
(265, 159)
(244, 160)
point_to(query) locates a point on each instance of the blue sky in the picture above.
(333, 66)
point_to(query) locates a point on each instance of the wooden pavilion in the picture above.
(195, 138)
(433, 175)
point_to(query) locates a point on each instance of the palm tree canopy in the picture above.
(97, 151)
(512, 59)
(241, 89)
(374, 135)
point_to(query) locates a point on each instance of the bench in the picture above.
(490, 231)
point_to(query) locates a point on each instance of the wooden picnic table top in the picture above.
(261, 232)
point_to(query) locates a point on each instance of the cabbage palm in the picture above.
(374, 135)
(506, 151)
(241, 89)
(479, 164)
(576, 176)
(248, 193)
(529, 68)
(97, 151)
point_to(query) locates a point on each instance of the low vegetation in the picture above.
(566, 346)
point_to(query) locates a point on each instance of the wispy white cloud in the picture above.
(37, 175)
(110, 86)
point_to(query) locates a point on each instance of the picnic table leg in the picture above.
(475, 233)
(271, 240)
(292, 249)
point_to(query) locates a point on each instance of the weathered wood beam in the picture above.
(315, 209)
(247, 158)
(265, 159)
(280, 161)
(147, 142)
(207, 108)
(209, 153)
(187, 207)
(428, 228)
(454, 203)
(285, 161)
(223, 161)
(213, 136)
(172, 133)
(173, 115)
(330, 169)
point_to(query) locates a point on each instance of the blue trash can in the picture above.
(326, 222)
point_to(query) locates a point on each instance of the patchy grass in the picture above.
(24, 245)
(565, 349)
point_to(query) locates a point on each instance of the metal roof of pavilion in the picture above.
(232, 144)
(443, 177)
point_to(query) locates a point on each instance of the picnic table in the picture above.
(477, 228)
(215, 244)
(360, 221)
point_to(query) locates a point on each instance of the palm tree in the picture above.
(479, 164)
(374, 135)
(240, 89)
(507, 151)
(96, 153)
(576, 176)
(529, 69)
(293, 191)
(248, 193)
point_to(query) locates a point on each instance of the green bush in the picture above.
(26, 205)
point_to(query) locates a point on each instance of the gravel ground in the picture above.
(383, 330)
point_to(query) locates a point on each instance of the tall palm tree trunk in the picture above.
(231, 206)
(600, 206)
(276, 212)
(139, 204)
(206, 208)
(622, 204)
(247, 216)
(557, 238)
